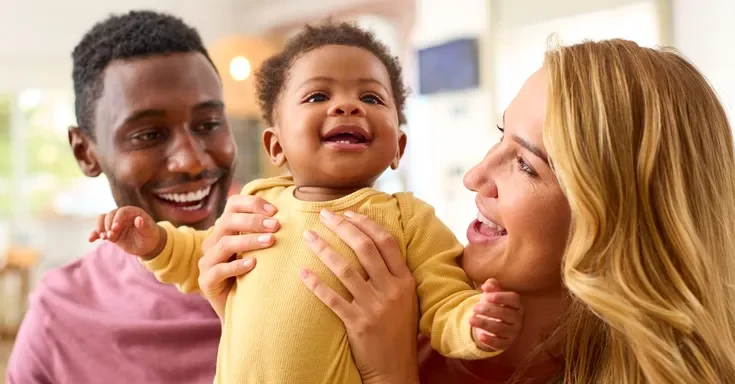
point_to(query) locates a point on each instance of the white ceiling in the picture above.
(39, 35)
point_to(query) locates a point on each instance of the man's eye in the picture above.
(147, 136)
(210, 126)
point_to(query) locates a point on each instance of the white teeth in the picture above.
(193, 207)
(187, 197)
(342, 142)
(488, 222)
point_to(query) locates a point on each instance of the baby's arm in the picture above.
(178, 262)
(171, 253)
(447, 298)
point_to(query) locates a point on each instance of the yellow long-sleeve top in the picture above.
(276, 331)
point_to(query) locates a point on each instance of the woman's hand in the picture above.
(382, 318)
(250, 215)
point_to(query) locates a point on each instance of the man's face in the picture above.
(162, 138)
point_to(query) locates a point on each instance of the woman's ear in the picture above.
(273, 147)
(402, 139)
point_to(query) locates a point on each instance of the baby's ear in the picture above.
(402, 139)
(273, 147)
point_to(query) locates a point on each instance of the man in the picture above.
(151, 118)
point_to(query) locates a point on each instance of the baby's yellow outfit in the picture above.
(276, 331)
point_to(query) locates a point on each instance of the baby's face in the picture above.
(336, 120)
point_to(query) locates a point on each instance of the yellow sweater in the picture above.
(276, 331)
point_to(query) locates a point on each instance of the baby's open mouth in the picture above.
(347, 138)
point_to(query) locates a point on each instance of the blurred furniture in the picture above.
(18, 262)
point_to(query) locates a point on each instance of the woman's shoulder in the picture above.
(435, 368)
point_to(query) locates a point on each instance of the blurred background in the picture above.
(464, 60)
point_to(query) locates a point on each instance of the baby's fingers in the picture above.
(502, 313)
(99, 232)
(94, 236)
(490, 342)
(492, 325)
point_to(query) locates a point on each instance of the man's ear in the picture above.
(82, 145)
(273, 147)
(402, 139)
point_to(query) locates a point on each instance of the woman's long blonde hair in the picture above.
(643, 151)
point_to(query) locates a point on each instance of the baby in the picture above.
(334, 100)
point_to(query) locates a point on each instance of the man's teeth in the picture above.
(489, 223)
(187, 197)
(192, 207)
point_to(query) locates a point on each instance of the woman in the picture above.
(615, 183)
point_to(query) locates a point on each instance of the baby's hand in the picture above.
(133, 230)
(498, 318)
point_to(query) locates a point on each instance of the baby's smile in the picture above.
(352, 138)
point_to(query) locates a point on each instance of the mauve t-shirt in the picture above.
(105, 319)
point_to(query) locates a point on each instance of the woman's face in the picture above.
(523, 221)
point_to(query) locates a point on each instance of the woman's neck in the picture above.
(305, 193)
(540, 318)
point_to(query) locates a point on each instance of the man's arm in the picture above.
(31, 358)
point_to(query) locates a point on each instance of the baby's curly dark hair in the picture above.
(272, 74)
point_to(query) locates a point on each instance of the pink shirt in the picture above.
(105, 319)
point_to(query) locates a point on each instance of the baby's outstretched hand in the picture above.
(498, 318)
(133, 230)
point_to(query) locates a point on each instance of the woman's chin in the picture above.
(480, 263)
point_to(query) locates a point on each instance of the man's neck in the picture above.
(323, 193)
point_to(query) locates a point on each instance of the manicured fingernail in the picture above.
(310, 236)
(350, 214)
(247, 263)
(327, 215)
(269, 208)
(270, 223)
(303, 274)
(265, 239)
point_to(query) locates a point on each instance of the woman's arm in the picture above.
(382, 318)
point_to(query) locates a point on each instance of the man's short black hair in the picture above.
(271, 77)
(134, 35)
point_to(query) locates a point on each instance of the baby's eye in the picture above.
(371, 99)
(317, 98)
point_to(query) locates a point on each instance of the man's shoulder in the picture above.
(97, 265)
(91, 315)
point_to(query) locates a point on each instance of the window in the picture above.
(36, 160)
(5, 154)
(521, 49)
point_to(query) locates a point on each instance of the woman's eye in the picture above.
(316, 98)
(524, 166)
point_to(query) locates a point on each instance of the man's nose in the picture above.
(188, 156)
